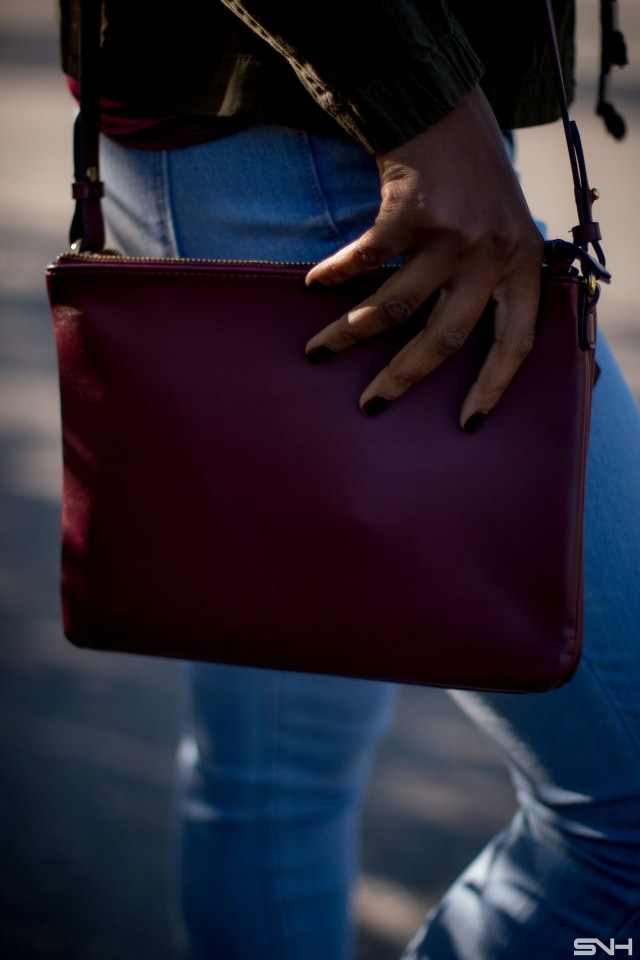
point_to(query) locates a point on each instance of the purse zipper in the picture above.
(116, 257)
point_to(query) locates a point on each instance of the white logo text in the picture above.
(588, 947)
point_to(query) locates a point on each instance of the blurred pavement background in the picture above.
(87, 740)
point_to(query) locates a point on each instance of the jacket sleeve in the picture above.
(383, 69)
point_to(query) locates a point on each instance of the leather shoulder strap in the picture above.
(87, 227)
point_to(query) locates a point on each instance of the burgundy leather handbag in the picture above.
(225, 501)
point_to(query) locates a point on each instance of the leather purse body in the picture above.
(224, 500)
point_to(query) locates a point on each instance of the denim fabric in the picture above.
(569, 864)
(274, 765)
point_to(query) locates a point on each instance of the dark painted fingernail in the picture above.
(474, 421)
(375, 405)
(320, 355)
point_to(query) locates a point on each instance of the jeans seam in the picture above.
(279, 919)
(315, 181)
(163, 196)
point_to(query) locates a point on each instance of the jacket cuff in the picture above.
(392, 109)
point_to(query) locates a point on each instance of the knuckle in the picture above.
(336, 273)
(449, 341)
(403, 379)
(494, 391)
(369, 257)
(501, 243)
(523, 346)
(392, 193)
(490, 391)
(393, 311)
(465, 242)
(347, 336)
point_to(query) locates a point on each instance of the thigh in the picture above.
(266, 193)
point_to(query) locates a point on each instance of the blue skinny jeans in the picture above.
(274, 766)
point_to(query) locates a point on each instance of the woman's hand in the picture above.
(453, 207)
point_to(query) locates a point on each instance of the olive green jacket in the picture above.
(378, 70)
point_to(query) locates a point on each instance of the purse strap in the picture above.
(587, 231)
(87, 233)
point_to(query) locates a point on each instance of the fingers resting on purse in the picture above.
(452, 207)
